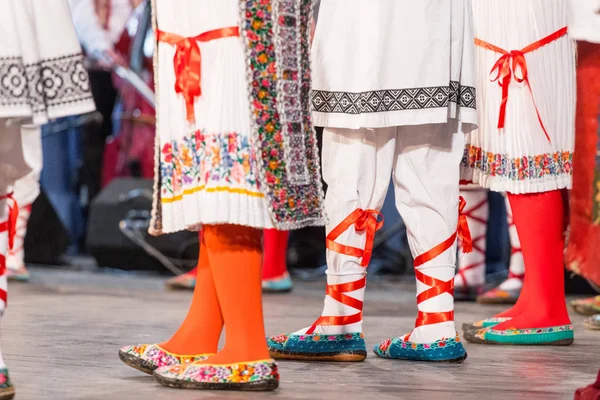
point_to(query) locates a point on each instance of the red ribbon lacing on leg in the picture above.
(20, 234)
(476, 247)
(437, 286)
(367, 221)
(514, 250)
(10, 226)
(507, 66)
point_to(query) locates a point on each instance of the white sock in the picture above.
(441, 303)
(16, 256)
(472, 265)
(332, 307)
(3, 248)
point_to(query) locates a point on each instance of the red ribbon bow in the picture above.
(187, 62)
(464, 233)
(509, 64)
(363, 220)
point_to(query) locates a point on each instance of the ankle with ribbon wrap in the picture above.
(10, 226)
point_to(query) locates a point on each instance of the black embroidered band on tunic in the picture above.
(393, 100)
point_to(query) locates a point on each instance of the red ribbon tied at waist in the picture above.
(188, 62)
(514, 65)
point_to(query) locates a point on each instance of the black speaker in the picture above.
(117, 231)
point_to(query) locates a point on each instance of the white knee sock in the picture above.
(16, 256)
(3, 271)
(471, 266)
(516, 268)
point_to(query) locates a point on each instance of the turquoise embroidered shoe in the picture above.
(552, 336)
(349, 347)
(484, 323)
(7, 390)
(443, 350)
(282, 284)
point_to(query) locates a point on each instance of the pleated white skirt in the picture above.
(520, 158)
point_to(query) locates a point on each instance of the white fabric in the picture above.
(38, 42)
(3, 245)
(424, 163)
(474, 276)
(366, 46)
(495, 158)
(92, 35)
(584, 20)
(218, 183)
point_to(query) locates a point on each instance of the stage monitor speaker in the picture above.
(117, 230)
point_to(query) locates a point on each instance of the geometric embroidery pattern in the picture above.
(393, 100)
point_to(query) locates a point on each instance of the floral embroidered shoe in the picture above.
(19, 275)
(249, 376)
(282, 284)
(552, 336)
(589, 306)
(592, 323)
(484, 323)
(7, 390)
(148, 357)
(185, 281)
(344, 347)
(499, 296)
(443, 350)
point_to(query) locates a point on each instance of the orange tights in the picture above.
(228, 293)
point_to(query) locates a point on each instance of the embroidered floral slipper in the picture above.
(443, 350)
(248, 376)
(349, 347)
(182, 282)
(7, 390)
(592, 323)
(499, 296)
(589, 306)
(148, 357)
(18, 275)
(282, 284)
(552, 336)
(484, 323)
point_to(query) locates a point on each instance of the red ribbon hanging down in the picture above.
(187, 62)
(507, 66)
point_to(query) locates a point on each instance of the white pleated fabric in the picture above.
(41, 65)
(519, 158)
(208, 171)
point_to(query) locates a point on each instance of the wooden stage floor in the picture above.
(62, 332)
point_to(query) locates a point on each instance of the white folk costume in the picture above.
(394, 88)
(234, 142)
(41, 77)
(525, 139)
(524, 147)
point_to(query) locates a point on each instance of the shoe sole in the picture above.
(258, 386)
(496, 300)
(348, 356)
(136, 363)
(7, 394)
(585, 310)
(458, 360)
(562, 342)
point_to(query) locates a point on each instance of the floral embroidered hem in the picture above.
(551, 336)
(148, 357)
(443, 350)
(343, 347)
(528, 174)
(254, 376)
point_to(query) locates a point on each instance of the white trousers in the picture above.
(423, 161)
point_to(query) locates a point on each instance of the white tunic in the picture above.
(584, 20)
(520, 158)
(393, 62)
(41, 69)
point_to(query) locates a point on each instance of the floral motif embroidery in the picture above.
(292, 205)
(490, 321)
(202, 159)
(158, 357)
(234, 373)
(518, 169)
(5, 382)
(385, 345)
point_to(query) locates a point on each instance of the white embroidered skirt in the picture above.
(393, 62)
(520, 158)
(207, 169)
